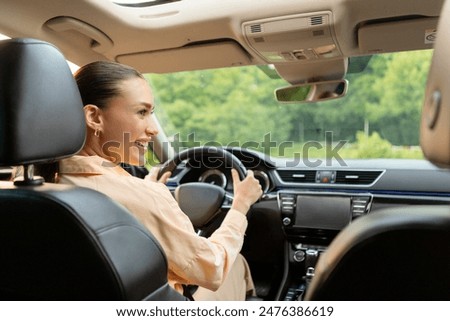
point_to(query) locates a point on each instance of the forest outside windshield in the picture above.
(378, 118)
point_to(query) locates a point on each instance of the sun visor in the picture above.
(199, 56)
(409, 34)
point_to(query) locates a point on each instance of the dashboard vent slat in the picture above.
(360, 206)
(316, 20)
(297, 176)
(255, 28)
(354, 177)
(357, 177)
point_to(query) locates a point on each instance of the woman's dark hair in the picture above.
(98, 82)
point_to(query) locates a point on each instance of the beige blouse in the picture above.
(192, 259)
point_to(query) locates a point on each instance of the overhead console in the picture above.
(303, 37)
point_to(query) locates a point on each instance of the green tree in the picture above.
(372, 146)
(237, 105)
(223, 106)
(397, 115)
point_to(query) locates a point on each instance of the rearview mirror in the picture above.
(312, 92)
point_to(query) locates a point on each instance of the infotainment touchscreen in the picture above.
(324, 212)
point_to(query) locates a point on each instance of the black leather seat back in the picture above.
(76, 244)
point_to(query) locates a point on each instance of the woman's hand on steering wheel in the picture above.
(246, 192)
(153, 175)
(202, 202)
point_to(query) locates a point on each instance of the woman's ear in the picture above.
(93, 117)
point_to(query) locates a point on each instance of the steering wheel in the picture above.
(202, 201)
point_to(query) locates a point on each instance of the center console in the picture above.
(310, 222)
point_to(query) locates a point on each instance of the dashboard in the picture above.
(314, 203)
(304, 207)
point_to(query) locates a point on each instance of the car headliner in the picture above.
(199, 34)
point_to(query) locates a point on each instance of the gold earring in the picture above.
(97, 133)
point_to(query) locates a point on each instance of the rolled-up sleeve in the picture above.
(194, 259)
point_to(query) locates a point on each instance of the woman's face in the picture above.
(128, 124)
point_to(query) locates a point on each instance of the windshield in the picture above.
(378, 118)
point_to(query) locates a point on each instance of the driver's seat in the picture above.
(61, 242)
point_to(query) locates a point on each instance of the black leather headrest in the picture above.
(41, 112)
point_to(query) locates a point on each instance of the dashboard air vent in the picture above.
(255, 28)
(360, 205)
(316, 20)
(357, 177)
(297, 176)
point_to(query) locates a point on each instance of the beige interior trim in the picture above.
(391, 36)
(201, 56)
(320, 70)
(100, 42)
(435, 123)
